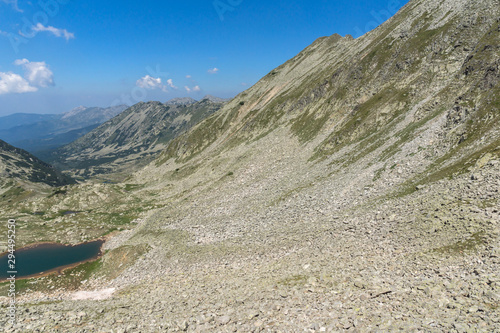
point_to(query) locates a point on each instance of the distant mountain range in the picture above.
(39, 133)
(42, 134)
(20, 119)
(133, 138)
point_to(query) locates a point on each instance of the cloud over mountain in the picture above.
(151, 83)
(193, 89)
(36, 75)
(14, 83)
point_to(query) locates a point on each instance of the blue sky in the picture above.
(59, 54)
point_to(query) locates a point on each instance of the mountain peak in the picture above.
(96, 114)
(214, 99)
(74, 111)
(181, 101)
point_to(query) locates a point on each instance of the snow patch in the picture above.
(93, 295)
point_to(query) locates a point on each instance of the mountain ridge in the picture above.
(134, 136)
(180, 101)
(307, 125)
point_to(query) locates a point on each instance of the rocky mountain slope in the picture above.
(354, 188)
(428, 61)
(19, 165)
(133, 138)
(53, 131)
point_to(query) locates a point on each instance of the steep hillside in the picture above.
(133, 138)
(19, 165)
(428, 62)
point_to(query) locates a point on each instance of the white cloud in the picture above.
(36, 73)
(170, 83)
(20, 62)
(151, 83)
(193, 89)
(14, 83)
(188, 76)
(14, 4)
(55, 31)
(214, 70)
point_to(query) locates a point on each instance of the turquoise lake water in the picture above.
(49, 257)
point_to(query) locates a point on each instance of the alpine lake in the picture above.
(40, 259)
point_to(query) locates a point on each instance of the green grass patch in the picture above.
(307, 126)
(133, 187)
(468, 245)
(294, 280)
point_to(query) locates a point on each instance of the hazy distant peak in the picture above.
(94, 111)
(93, 114)
(74, 111)
(189, 100)
(215, 99)
(181, 101)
